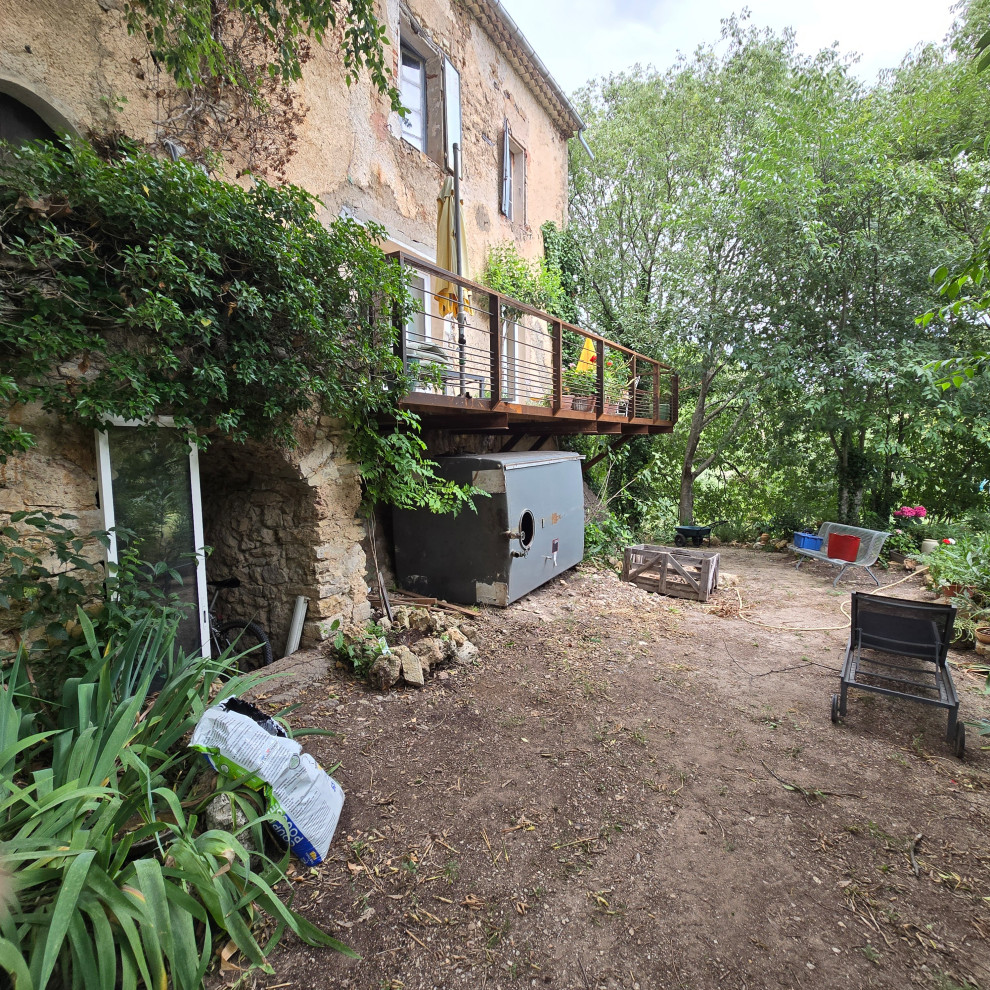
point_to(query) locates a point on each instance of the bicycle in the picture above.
(247, 640)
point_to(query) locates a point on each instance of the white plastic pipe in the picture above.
(296, 625)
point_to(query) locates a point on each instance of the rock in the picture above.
(781, 545)
(727, 580)
(764, 538)
(470, 630)
(385, 670)
(714, 541)
(412, 667)
(400, 617)
(455, 636)
(429, 652)
(221, 814)
(439, 621)
(467, 653)
(420, 620)
(385, 625)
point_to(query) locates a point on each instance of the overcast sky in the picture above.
(582, 39)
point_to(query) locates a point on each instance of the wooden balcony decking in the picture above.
(496, 365)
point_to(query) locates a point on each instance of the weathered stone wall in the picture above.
(284, 523)
(75, 64)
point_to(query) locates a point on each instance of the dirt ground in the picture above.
(643, 792)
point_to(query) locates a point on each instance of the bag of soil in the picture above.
(244, 744)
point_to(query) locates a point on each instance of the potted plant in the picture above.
(962, 565)
(578, 389)
(616, 385)
(900, 546)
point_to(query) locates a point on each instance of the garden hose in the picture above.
(842, 608)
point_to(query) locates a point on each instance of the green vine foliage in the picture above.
(138, 287)
(184, 36)
(563, 257)
(534, 283)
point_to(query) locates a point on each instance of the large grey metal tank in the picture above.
(530, 529)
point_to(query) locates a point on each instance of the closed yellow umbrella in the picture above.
(589, 356)
(445, 292)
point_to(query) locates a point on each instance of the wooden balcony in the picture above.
(495, 365)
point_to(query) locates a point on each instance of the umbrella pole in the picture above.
(461, 338)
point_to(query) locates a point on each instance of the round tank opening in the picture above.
(527, 529)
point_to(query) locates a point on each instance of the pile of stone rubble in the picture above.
(436, 639)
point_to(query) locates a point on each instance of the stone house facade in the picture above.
(286, 523)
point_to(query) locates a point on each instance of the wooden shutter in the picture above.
(452, 112)
(506, 171)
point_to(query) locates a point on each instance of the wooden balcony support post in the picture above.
(600, 376)
(675, 388)
(609, 448)
(656, 393)
(632, 388)
(495, 345)
(557, 335)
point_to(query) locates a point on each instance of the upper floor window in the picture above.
(513, 178)
(412, 88)
(430, 89)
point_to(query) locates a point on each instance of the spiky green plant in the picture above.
(115, 883)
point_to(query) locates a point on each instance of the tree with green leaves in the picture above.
(678, 257)
(767, 223)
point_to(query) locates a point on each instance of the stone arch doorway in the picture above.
(284, 524)
(259, 517)
(26, 116)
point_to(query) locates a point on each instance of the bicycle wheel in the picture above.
(249, 639)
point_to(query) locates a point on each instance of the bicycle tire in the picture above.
(240, 636)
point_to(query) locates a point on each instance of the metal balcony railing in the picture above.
(494, 354)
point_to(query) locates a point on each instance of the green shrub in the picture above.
(531, 282)
(965, 562)
(116, 885)
(605, 540)
(235, 310)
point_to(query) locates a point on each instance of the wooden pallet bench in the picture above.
(683, 573)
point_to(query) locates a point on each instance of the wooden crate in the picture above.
(681, 572)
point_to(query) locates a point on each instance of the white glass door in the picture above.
(149, 485)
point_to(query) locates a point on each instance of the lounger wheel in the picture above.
(959, 743)
(835, 709)
(680, 541)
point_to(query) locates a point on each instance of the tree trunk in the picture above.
(685, 506)
(852, 468)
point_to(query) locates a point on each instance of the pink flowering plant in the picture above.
(909, 513)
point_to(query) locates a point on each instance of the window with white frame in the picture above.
(513, 178)
(148, 481)
(430, 90)
(412, 89)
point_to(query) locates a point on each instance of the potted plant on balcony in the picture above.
(578, 388)
(616, 386)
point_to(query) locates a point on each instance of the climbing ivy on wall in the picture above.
(135, 287)
(534, 283)
(563, 258)
(233, 63)
(188, 38)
